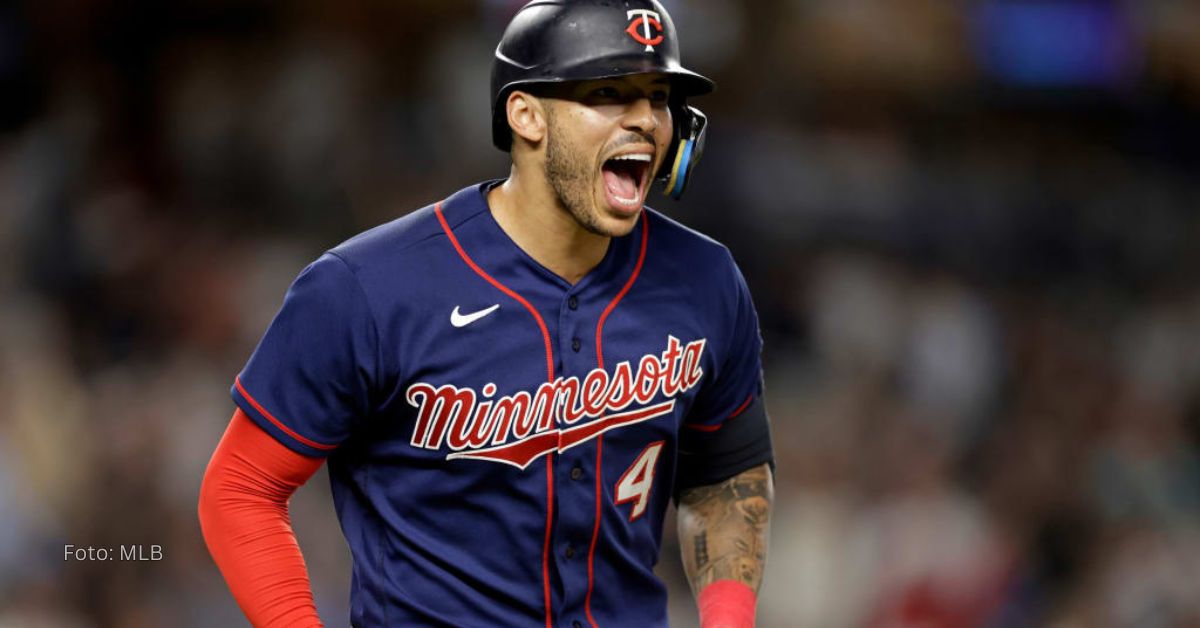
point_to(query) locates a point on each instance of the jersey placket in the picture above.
(573, 478)
(575, 469)
(579, 471)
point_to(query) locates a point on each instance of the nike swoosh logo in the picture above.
(462, 320)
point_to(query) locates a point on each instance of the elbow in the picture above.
(206, 505)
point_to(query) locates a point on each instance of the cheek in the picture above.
(588, 136)
(592, 122)
(665, 120)
(664, 131)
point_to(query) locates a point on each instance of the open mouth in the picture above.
(625, 179)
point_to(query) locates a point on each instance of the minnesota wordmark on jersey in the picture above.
(515, 429)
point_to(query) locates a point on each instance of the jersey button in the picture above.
(576, 624)
(569, 552)
(575, 345)
(576, 473)
(573, 302)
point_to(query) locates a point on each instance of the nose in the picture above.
(640, 116)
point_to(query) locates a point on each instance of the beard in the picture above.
(571, 178)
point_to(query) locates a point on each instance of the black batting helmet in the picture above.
(553, 41)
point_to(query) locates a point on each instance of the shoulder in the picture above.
(389, 240)
(410, 240)
(676, 243)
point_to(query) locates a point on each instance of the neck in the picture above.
(530, 213)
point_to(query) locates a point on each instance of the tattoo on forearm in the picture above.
(725, 526)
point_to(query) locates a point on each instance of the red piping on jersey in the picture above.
(587, 604)
(237, 381)
(742, 408)
(546, 543)
(713, 428)
(502, 288)
(620, 295)
(437, 209)
(637, 269)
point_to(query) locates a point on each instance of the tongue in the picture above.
(620, 182)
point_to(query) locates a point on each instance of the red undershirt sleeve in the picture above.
(244, 518)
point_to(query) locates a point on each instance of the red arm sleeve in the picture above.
(244, 518)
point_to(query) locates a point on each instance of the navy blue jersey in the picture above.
(503, 444)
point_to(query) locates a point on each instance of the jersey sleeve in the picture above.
(309, 381)
(727, 430)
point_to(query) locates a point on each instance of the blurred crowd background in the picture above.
(970, 228)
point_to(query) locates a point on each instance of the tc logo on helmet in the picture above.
(640, 28)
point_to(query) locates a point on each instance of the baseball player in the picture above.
(510, 385)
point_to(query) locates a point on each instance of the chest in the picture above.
(509, 373)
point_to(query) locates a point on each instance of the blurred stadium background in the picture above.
(970, 227)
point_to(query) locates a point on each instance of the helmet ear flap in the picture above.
(685, 151)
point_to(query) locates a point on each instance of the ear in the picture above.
(526, 116)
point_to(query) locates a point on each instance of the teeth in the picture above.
(633, 157)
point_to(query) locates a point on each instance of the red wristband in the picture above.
(727, 604)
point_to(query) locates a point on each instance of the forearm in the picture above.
(244, 518)
(723, 529)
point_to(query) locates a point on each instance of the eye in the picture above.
(606, 93)
(659, 97)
